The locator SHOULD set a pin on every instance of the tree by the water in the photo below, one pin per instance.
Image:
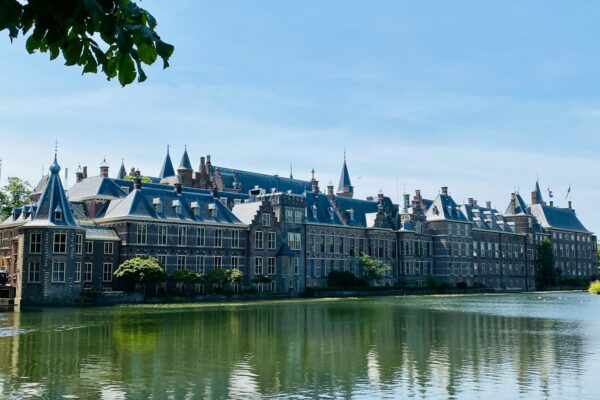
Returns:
(116, 36)
(546, 274)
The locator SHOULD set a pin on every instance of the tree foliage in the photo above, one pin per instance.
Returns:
(546, 274)
(235, 276)
(261, 279)
(15, 194)
(142, 269)
(373, 269)
(594, 287)
(217, 277)
(115, 36)
(186, 276)
(145, 179)
(344, 279)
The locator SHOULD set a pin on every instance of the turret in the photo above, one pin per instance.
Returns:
(345, 188)
(185, 170)
(167, 169)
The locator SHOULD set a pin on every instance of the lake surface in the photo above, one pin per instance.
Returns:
(522, 346)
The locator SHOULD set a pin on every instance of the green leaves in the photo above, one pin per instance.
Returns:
(70, 27)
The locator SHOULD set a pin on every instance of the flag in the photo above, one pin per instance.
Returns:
(568, 193)
(550, 193)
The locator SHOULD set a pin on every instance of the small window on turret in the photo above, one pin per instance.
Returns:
(57, 215)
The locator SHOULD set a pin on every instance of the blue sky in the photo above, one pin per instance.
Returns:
(478, 96)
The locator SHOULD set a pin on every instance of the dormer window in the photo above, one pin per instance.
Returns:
(177, 206)
(157, 203)
(195, 208)
(314, 211)
(58, 214)
(212, 210)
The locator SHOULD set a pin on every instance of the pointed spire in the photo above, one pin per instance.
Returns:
(185, 161)
(538, 192)
(345, 187)
(291, 171)
(53, 208)
(122, 171)
(167, 168)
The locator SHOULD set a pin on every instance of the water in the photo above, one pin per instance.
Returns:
(522, 346)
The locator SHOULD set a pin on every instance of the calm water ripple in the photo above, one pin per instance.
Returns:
(522, 346)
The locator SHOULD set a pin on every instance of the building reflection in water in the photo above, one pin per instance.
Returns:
(341, 349)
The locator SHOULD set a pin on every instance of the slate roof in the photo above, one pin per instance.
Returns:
(361, 209)
(345, 179)
(486, 218)
(444, 208)
(520, 207)
(319, 210)
(247, 181)
(53, 203)
(122, 172)
(19, 216)
(39, 188)
(96, 187)
(538, 192)
(175, 207)
(558, 218)
(185, 161)
(167, 168)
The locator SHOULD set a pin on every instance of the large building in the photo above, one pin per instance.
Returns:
(69, 241)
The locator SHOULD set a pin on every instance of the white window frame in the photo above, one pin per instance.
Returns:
(35, 246)
(107, 272)
(62, 245)
(88, 273)
(109, 248)
(59, 272)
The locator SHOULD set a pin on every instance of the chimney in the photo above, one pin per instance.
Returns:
(471, 201)
(84, 172)
(104, 171)
(445, 190)
(551, 203)
(137, 181)
(208, 163)
(79, 176)
(315, 186)
(177, 186)
(570, 205)
(330, 190)
(369, 198)
(488, 204)
(406, 200)
(534, 199)
(380, 197)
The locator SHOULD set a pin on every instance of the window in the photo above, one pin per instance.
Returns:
(35, 243)
(89, 247)
(108, 247)
(235, 238)
(60, 243)
(218, 262)
(218, 238)
(271, 241)
(77, 272)
(289, 216)
(162, 260)
(142, 234)
(201, 237)
(180, 262)
(271, 266)
(200, 264)
(107, 272)
(87, 277)
(296, 265)
(34, 272)
(266, 219)
(258, 265)
(181, 236)
(58, 272)
(79, 244)
(162, 235)
(294, 241)
(298, 217)
(258, 240)
(235, 262)
(58, 214)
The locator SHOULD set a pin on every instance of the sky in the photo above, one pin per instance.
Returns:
(482, 97)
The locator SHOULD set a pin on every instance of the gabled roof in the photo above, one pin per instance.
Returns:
(167, 168)
(53, 208)
(246, 212)
(96, 187)
(558, 218)
(444, 208)
(518, 208)
(185, 161)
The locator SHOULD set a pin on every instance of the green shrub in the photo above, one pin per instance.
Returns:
(186, 276)
(594, 287)
(344, 279)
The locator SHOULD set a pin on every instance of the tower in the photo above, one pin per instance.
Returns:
(185, 170)
(345, 188)
(167, 168)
